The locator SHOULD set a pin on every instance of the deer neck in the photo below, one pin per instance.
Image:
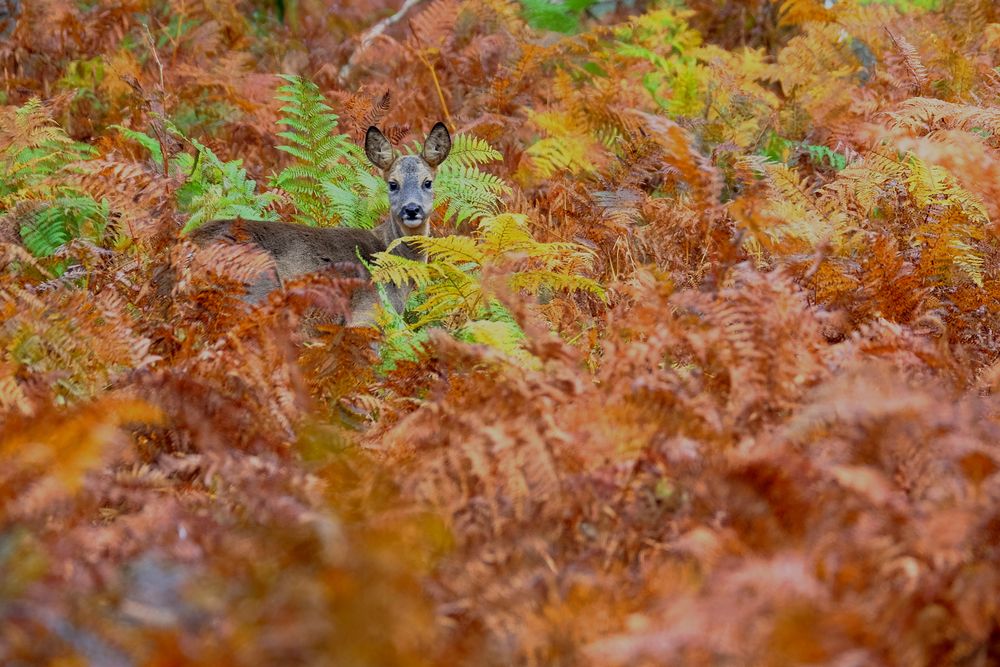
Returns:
(392, 229)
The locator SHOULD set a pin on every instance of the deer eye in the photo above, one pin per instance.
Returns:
(393, 186)
(428, 184)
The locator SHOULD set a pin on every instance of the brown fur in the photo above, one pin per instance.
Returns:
(298, 250)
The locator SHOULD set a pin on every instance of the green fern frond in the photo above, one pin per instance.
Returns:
(463, 191)
(215, 190)
(453, 293)
(34, 154)
(70, 215)
(468, 151)
(562, 16)
(400, 342)
(144, 140)
(330, 183)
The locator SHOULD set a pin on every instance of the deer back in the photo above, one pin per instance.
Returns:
(298, 250)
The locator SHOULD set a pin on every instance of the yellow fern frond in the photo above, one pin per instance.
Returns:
(858, 182)
(814, 65)
(452, 294)
(499, 335)
(503, 336)
(391, 268)
(455, 249)
(947, 245)
(535, 281)
(503, 233)
(555, 154)
(932, 184)
(789, 185)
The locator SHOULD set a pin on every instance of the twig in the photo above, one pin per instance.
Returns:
(156, 105)
(369, 35)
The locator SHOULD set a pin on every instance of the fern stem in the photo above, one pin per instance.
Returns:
(437, 84)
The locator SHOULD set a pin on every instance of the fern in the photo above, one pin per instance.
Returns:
(144, 140)
(536, 282)
(951, 238)
(449, 289)
(568, 148)
(212, 189)
(400, 270)
(469, 151)
(502, 334)
(923, 113)
(463, 192)
(330, 182)
(468, 194)
(36, 158)
(664, 39)
(215, 189)
(804, 221)
(458, 250)
(779, 149)
(399, 341)
(69, 215)
(556, 16)
(33, 149)
(825, 155)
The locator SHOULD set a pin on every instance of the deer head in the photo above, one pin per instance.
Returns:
(410, 177)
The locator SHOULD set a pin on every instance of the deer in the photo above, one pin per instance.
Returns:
(298, 250)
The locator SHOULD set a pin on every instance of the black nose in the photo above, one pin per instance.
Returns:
(412, 211)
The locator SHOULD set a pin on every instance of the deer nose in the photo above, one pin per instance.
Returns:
(412, 211)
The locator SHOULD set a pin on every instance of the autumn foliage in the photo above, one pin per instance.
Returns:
(702, 369)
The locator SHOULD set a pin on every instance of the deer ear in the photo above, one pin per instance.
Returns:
(437, 145)
(377, 148)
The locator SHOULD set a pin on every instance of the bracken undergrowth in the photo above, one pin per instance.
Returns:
(701, 371)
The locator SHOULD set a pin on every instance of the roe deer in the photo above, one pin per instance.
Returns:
(298, 249)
